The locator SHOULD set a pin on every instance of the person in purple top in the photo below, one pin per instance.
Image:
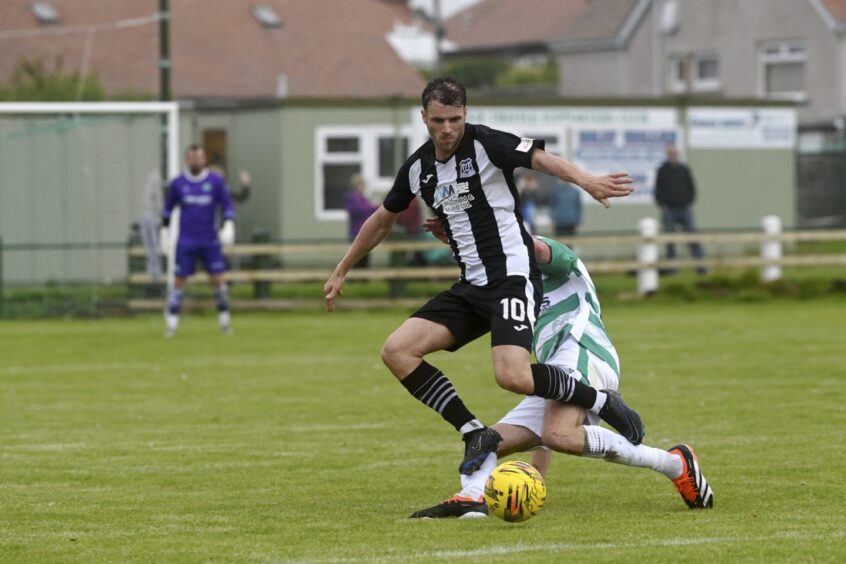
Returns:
(198, 193)
(359, 208)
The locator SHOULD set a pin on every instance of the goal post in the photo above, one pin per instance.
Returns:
(71, 181)
(170, 109)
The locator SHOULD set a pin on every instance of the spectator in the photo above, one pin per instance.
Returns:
(527, 187)
(411, 222)
(151, 205)
(675, 193)
(359, 208)
(565, 208)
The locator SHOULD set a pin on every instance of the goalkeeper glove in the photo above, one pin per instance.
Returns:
(226, 235)
(164, 240)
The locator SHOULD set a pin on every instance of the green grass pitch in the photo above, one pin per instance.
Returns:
(289, 441)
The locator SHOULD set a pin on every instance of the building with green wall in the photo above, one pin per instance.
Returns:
(301, 152)
(79, 180)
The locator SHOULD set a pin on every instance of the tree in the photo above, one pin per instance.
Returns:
(32, 81)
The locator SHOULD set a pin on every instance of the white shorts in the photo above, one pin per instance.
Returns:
(529, 412)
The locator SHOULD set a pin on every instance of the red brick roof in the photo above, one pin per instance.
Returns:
(506, 23)
(334, 48)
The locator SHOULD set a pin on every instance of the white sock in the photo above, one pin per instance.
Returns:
(608, 445)
(171, 321)
(472, 425)
(223, 319)
(600, 402)
(474, 485)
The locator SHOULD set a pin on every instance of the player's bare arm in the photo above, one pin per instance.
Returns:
(373, 232)
(600, 187)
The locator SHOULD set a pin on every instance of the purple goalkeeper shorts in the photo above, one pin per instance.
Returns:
(187, 253)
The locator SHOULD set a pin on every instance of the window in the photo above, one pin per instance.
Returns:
(336, 182)
(266, 16)
(391, 155)
(704, 73)
(670, 21)
(782, 70)
(45, 13)
(342, 144)
(375, 152)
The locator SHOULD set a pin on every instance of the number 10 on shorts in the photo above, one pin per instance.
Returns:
(513, 309)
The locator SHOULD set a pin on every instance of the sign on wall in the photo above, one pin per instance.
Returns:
(741, 128)
(638, 151)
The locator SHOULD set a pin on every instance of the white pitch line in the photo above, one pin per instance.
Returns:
(555, 547)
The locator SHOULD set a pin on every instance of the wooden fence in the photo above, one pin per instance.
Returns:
(644, 262)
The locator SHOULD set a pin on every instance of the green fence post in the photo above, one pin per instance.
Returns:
(261, 290)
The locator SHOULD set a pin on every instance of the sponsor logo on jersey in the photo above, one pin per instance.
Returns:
(427, 179)
(447, 191)
(521, 327)
(453, 197)
(525, 145)
(198, 199)
(465, 168)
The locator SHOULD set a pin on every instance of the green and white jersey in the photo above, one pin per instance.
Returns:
(570, 307)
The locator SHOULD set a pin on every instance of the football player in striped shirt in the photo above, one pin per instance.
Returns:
(571, 335)
(465, 174)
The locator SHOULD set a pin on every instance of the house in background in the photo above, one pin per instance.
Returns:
(727, 49)
(504, 46)
(778, 49)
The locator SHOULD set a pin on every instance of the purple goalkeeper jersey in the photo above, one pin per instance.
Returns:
(198, 198)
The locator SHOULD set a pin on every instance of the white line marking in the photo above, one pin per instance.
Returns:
(555, 547)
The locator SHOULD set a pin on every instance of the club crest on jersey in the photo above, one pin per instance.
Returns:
(207, 187)
(465, 168)
(452, 197)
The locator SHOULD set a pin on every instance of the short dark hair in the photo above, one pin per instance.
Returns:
(446, 90)
(194, 147)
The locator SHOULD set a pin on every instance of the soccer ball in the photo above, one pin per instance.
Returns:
(515, 491)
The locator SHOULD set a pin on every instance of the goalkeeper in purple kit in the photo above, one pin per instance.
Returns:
(198, 193)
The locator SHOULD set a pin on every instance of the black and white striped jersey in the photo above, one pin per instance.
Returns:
(474, 195)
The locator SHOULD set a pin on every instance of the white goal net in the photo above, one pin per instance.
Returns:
(74, 187)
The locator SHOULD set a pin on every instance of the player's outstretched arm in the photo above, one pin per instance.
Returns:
(373, 232)
(600, 187)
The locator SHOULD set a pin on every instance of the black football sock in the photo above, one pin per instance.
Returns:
(552, 382)
(430, 386)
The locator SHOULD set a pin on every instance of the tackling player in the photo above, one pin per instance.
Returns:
(199, 193)
(570, 334)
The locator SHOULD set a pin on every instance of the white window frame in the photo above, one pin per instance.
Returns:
(786, 54)
(697, 83)
(367, 157)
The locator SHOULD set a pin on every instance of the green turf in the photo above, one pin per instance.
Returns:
(290, 441)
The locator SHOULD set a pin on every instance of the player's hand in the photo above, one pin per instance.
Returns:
(245, 178)
(614, 185)
(226, 235)
(164, 240)
(434, 226)
(333, 287)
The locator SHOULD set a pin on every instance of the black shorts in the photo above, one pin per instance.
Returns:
(508, 309)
